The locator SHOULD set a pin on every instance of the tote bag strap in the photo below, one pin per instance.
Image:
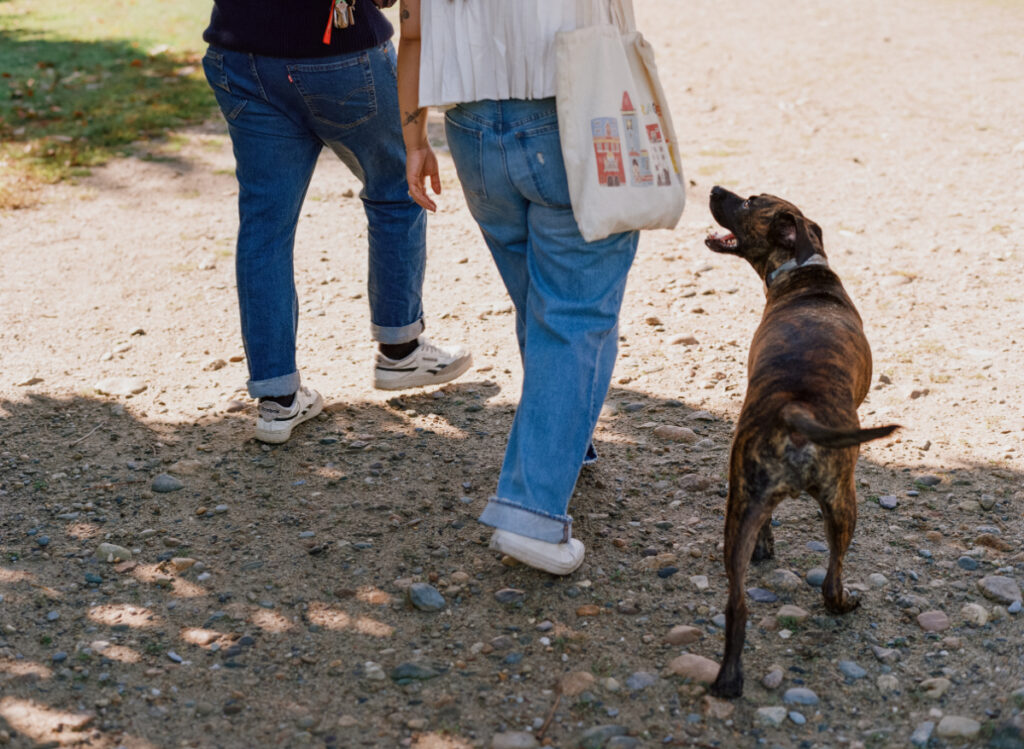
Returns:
(622, 14)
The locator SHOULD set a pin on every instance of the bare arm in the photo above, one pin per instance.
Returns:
(421, 163)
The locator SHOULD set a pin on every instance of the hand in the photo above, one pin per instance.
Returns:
(420, 164)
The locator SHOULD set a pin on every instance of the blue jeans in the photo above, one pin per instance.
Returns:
(280, 114)
(567, 294)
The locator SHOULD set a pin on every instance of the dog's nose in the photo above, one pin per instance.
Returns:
(717, 191)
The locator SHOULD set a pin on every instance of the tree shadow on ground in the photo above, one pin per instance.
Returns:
(273, 572)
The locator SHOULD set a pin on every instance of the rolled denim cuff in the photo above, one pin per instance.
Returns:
(508, 516)
(403, 334)
(275, 386)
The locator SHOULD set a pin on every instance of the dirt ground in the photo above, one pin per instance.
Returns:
(266, 601)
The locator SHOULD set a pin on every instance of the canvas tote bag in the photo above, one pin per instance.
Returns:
(618, 142)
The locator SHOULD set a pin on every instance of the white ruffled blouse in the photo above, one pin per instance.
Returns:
(495, 49)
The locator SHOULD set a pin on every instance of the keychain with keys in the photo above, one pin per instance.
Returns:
(343, 15)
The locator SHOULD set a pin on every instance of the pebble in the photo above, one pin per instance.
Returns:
(166, 483)
(514, 740)
(509, 595)
(794, 614)
(576, 682)
(928, 480)
(53, 616)
(967, 563)
(885, 655)
(1000, 589)
(933, 621)
(599, 736)
(800, 696)
(676, 434)
(817, 546)
(887, 683)
(922, 734)
(784, 580)
(797, 718)
(666, 572)
(700, 582)
(694, 667)
(815, 576)
(877, 580)
(770, 716)
(718, 620)
(120, 386)
(761, 595)
(974, 614)
(683, 635)
(406, 673)
(1014, 608)
(640, 681)
(174, 656)
(987, 501)
(373, 671)
(935, 688)
(772, 679)
(43, 541)
(958, 727)
(712, 707)
(60, 656)
(888, 502)
(852, 670)
(426, 597)
(112, 553)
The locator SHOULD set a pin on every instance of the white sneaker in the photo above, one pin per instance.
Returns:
(558, 559)
(274, 422)
(427, 365)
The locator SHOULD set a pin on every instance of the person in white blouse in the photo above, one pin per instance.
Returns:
(492, 63)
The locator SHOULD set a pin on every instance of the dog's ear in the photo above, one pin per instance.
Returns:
(796, 233)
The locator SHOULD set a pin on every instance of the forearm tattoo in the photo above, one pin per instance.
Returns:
(412, 118)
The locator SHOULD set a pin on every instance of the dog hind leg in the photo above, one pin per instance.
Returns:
(840, 512)
(741, 534)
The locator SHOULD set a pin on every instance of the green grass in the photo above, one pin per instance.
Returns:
(81, 81)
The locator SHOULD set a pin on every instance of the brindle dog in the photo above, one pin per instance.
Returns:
(809, 369)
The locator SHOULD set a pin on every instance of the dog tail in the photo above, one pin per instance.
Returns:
(799, 418)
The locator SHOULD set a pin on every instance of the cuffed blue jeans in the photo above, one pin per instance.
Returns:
(280, 114)
(567, 294)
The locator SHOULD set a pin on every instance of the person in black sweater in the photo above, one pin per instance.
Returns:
(289, 82)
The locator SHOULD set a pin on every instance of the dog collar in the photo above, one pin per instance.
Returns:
(815, 259)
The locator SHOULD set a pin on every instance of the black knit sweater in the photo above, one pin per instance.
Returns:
(292, 28)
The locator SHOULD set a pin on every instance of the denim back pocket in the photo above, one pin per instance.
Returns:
(338, 93)
(466, 143)
(217, 77)
(541, 148)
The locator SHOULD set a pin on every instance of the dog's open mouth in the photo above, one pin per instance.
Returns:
(722, 242)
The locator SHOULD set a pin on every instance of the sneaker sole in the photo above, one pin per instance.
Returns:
(447, 374)
(532, 557)
(277, 438)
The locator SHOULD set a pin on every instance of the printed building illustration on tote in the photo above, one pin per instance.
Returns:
(608, 150)
(659, 155)
(638, 160)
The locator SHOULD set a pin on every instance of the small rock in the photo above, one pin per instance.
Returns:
(683, 635)
(425, 597)
(887, 683)
(166, 483)
(928, 480)
(935, 688)
(790, 615)
(761, 595)
(121, 386)
(958, 727)
(815, 576)
(112, 553)
(784, 580)
(773, 679)
(214, 364)
(987, 501)
(770, 716)
(800, 696)
(700, 582)
(933, 621)
(640, 681)
(694, 667)
(1000, 589)
(877, 580)
(967, 563)
(575, 683)
(885, 655)
(974, 614)
(509, 595)
(514, 740)
(922, 734)
(715, 708)
(888, 502)
(797, 718)
(406, 673)
(851, 670)
(588, 609)
(598, 736)
(676, 434)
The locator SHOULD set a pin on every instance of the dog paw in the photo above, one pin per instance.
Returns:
(727, 689)
(845, 606)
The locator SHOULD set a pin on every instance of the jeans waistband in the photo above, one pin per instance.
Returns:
(507, 112)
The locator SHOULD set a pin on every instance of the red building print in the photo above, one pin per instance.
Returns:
(608, 150)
